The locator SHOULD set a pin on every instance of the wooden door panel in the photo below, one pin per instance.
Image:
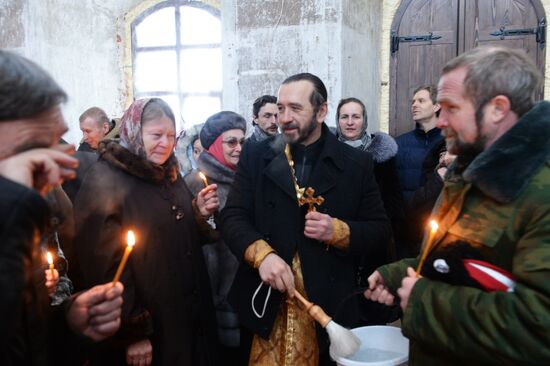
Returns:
(420, 63)
(483, 17)
(462, 26)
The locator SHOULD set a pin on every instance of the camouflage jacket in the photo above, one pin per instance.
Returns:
(500, 204)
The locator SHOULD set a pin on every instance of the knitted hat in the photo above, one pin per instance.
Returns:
(218, 123)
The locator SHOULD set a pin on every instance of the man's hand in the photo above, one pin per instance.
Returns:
(207, 200)
(139, 353)
(51, 280)
(40, 168)
(318, 226)
(407, 285)
(377, 291)
(274, 271)
(95, 313)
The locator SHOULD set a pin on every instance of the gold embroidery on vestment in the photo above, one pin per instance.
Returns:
(293, 340)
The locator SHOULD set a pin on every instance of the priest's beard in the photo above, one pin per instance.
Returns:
(303, 132)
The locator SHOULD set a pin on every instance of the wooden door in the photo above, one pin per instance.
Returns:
(511, 23)
(428, 33)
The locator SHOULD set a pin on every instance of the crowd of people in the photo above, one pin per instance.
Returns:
(230, 228)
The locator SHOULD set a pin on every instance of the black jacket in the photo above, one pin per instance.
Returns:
(262, 205)
(166, 283)
(30, 331)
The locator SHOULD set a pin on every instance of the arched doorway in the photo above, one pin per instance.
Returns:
(428, 33)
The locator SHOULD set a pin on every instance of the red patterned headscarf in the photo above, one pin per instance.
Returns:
(130, 128)
(130, 133)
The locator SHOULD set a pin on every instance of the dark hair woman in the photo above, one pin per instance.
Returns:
(167, 315)
(351, 128)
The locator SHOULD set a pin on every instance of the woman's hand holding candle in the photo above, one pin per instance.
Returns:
(207, 200)
(51, 274)
(131, 239)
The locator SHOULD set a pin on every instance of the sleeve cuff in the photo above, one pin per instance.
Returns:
(256, 252)
(341, 235)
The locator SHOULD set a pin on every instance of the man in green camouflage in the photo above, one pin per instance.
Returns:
(496, 198)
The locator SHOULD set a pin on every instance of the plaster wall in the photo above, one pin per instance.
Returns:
(77, 43)
(361, 56)
(269, 40)
(83, 45)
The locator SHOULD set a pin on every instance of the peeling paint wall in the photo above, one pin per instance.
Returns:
(77, 43)
(12, 31)
(361, 56)
(274, 39)
(345, 42)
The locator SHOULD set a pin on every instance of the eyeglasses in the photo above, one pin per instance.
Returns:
(232, 143)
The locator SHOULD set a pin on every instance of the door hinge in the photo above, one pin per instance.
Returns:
(539, 31)
(395, 39)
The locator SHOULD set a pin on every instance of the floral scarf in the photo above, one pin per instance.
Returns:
(130, 133)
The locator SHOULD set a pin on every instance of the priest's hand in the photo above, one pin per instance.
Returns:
(139, 353)
(407, 285)
(318, 226)
(377, 291)
(207, 200)
(95, 313)
(277, 273)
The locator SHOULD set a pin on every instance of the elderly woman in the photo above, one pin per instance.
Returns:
(351, 128)
(167, 315)
(222, 137)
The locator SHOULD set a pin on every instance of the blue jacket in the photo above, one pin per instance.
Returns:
(413, 147)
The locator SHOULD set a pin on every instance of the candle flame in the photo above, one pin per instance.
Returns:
(203, 177)
(434, 225)
(49, 258)
(131, 239)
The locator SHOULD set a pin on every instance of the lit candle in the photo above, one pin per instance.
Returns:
(131, 241)
(203, 177)
(50, 262)
(427, 247)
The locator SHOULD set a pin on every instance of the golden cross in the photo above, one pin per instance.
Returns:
(310, 200)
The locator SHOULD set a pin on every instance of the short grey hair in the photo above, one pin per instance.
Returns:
(95, 113)
(493, 71)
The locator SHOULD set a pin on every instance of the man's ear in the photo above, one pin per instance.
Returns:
(437, 107)
(322, 113)
(105, 128)
(501, 107)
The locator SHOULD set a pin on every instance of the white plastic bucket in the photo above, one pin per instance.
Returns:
(380, 346)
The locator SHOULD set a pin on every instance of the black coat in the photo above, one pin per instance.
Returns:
(31, 332)
(166, 283)
(262, 205)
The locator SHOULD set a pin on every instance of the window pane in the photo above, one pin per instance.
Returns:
(157, 29)
(199, 26)
(155, 71)
(197, 109)
(201, 70)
